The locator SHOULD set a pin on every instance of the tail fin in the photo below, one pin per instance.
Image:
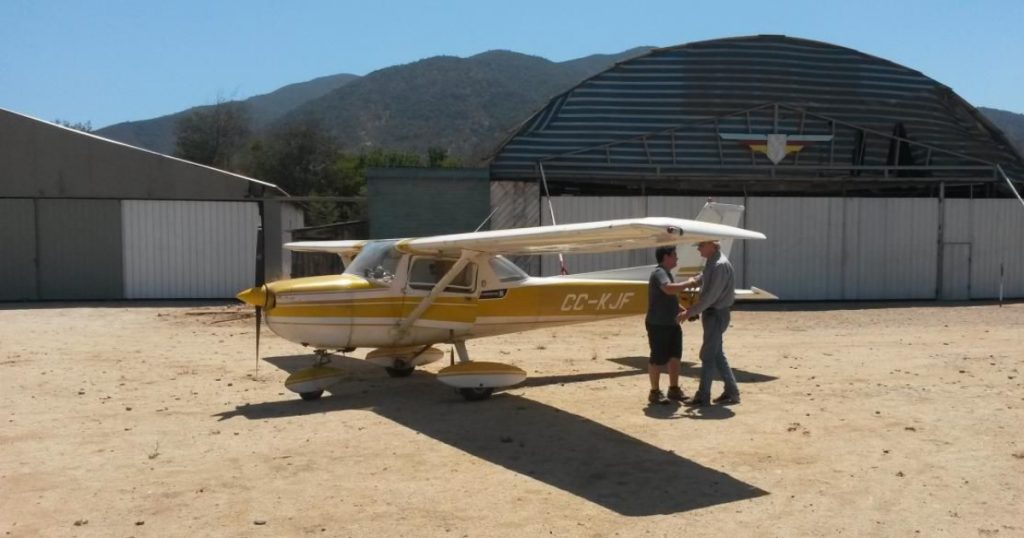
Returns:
(690, 262)
(728, 214)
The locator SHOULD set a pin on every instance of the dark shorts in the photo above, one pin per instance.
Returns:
(666, 342)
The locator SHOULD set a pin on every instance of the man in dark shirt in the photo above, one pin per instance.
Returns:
(717, 295)
(664, 335)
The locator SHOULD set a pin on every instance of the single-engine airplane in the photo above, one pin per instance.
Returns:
(404, 296)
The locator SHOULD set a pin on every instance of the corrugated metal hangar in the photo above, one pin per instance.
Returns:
(871, 180)
(83, 217)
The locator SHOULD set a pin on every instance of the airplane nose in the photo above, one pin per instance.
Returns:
(256, 296)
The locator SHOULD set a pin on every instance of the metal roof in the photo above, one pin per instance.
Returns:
(661, 117)
(45, 159)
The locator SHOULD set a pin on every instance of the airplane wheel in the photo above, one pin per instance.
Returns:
(475, 395)
(399, 372)
(312, 395)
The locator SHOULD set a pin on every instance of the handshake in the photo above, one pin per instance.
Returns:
(685, 314)
(686, 301)
(687, 298)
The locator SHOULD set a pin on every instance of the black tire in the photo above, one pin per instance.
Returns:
(313, 395)
(476, 395)
(399, 372)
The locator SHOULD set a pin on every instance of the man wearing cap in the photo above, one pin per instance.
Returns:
(664, 335)
(717, 294)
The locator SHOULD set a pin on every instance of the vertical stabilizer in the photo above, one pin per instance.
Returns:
(690, 261)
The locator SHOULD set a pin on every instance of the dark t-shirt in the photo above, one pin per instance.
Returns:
(661, 307)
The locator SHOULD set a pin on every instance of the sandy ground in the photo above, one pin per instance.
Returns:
(857, 420)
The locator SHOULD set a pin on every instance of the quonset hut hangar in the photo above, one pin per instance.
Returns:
(83, 217)
(871, 180)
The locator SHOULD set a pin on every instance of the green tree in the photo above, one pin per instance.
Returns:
(304, 159)
(213, 135)
(298, 157)
(85, 127)
(440, 158)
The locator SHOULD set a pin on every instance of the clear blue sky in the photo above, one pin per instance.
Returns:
(111, 61)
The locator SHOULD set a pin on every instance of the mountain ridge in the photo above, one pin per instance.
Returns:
(157, 134)
(466, 106)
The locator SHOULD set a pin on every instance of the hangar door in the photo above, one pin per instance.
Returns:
(79, 249)
(188, 250)
(18, 245)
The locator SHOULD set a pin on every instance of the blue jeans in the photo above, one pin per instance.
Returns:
(712, 358)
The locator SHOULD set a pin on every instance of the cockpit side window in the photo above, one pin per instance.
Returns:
(426, 272)
(377, 262)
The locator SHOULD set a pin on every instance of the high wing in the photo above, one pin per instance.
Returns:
(588, 237)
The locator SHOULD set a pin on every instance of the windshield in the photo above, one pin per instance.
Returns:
(507, 271)
(376, 262)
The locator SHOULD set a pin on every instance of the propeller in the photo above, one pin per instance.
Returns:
(259, 295)
(260, 283)
(259, 324)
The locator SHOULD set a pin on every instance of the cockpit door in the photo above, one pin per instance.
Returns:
(453, 312)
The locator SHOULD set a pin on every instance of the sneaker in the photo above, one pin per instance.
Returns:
(698, 401)
(676, 394)
(727, 399)
(656, 397)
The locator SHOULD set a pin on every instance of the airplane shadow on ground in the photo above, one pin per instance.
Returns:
(564, 450)
(692, 370)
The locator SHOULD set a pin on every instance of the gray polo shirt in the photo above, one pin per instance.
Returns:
(661, 307)
(717, 285)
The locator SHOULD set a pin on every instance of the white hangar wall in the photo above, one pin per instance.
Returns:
(984, 239)
(178, 250)
(844, 248)
(75, 249)
(838, 248)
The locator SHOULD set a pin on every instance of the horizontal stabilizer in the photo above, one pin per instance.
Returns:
(755, 294)
(643, 274)
(640, 273)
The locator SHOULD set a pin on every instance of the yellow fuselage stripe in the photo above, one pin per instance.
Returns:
(569, 299)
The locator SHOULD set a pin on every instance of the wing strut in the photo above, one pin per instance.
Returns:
(562, 269)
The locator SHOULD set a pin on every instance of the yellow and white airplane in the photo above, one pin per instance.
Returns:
(404, 296)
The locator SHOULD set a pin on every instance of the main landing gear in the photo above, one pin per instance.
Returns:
(473, 380)
(312, 395)
(476, 381)
(310, 383)
(476, 394)
(399, 368)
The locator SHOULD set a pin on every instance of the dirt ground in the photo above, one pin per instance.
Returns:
(857, 420)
